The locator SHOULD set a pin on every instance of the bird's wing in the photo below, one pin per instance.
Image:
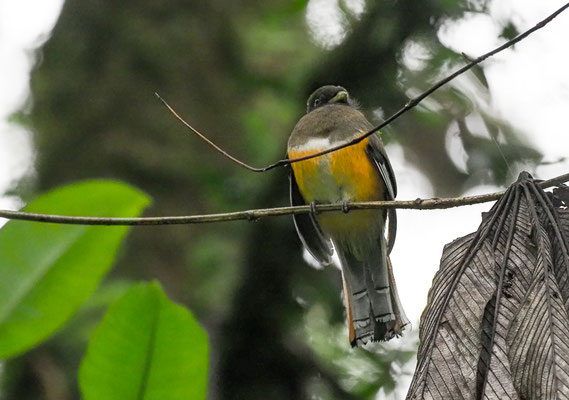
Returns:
(377, 155)
(308, 229)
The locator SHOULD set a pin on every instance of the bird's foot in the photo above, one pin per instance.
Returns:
(313, 209)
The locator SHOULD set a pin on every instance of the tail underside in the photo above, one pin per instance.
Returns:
(372, 302)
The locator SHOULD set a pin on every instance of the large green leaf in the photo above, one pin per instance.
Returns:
(48, 270)
(146, 347)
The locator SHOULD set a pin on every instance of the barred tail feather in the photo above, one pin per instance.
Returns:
(373, 306)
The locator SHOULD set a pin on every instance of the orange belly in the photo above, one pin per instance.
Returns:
(346, 174)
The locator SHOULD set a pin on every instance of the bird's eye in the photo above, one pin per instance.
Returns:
(316, 102)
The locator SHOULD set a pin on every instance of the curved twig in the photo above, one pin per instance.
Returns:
(408, 106)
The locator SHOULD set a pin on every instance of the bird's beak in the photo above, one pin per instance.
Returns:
(341, 96)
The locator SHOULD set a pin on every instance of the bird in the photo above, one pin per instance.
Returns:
(361, 172)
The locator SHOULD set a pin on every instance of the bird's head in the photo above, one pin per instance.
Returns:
(326, 95)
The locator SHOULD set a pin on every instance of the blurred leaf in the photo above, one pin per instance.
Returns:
(284, 11)
(107, 293)
(47, 270)
(363, 371)
(146, 347)
(509, 32)
(297, 5)
(79, 328)
(479, 72)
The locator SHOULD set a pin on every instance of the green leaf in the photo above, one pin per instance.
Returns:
(509, 31)
(48, 270)
(146, 347)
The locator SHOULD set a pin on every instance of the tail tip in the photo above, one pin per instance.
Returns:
(382, 331)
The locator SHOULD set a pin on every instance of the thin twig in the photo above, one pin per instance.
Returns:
(410, 104)
(203, 137)
(253, 215)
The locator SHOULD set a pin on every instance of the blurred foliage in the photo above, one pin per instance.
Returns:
(241, 71)
(146, 347)
(48, 270)
(362, 371)
(509, 31)
(144, 341)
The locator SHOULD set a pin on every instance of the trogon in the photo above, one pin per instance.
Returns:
(361, 172)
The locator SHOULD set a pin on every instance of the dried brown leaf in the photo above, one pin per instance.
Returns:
(496, 325)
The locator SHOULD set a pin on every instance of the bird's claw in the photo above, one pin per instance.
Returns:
(313, 209)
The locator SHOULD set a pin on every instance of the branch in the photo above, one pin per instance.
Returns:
(253, 215)
(408, 106)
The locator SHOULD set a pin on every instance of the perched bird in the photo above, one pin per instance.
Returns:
(361, 172)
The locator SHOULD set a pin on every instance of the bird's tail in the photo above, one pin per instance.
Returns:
(372, 302)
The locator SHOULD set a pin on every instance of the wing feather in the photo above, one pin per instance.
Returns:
(310, 233)
(377, 155)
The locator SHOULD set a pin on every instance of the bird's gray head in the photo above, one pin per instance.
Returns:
(328, 94)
